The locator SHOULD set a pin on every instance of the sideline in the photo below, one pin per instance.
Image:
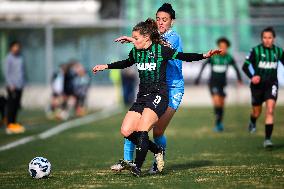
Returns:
(105, 113)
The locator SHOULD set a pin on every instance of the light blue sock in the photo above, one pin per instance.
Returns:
(128, 150)
(161, 141)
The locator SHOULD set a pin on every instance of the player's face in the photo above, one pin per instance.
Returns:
(267, 39)
(140, 40)
(15, 49)
(224, 47)
(164, 21)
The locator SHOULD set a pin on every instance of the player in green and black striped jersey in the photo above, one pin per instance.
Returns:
(151, 59)
(264, 59)
(218, 80)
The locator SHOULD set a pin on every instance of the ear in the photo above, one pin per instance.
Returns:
(172, 23)
(147, 37)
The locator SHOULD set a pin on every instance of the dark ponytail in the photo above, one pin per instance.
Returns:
(149, 27)
(167, 7)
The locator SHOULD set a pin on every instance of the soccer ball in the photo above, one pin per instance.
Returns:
(39, 167)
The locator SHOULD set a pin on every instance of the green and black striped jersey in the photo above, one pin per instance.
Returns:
(219, 67)
(264, 62)
(152, 64)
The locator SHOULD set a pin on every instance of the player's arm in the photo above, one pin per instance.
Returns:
(125, 39)
(170, 54)
(251, 60)
(233, 63)
(115, 65)
(8, 74)
(196, 82)
(189, 57)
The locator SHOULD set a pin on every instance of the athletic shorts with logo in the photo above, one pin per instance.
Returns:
(175, 96)
(263, 91)
(155, 101)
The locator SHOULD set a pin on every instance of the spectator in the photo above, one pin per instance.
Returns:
(14, 76)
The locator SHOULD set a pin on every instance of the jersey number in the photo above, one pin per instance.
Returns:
(157, 100)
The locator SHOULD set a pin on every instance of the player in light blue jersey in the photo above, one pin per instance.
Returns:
(165, 17)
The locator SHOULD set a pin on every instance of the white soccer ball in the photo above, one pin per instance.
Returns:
(39, 167)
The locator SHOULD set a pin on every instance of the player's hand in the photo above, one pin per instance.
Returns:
(125, 39)
(255, 79)
(212, 52)
(99, 68)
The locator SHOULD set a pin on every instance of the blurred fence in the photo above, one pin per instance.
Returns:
(200, 23)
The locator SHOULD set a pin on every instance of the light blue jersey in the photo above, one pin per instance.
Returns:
(174, 67)
(175, 80)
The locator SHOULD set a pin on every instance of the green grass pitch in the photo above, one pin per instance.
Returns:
(196, 156)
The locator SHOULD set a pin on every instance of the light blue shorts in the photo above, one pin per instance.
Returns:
(175, 97)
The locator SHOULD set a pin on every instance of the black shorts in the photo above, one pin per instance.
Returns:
(217, 90)
(263, 92)
(155, 101)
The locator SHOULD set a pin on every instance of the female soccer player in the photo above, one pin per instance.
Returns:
(165, 17)
(264, 59)
(217, 82)
(152, 99)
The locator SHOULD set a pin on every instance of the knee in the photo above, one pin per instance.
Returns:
(269, 111)
(125, 132)
(256, 113)
(157, 132)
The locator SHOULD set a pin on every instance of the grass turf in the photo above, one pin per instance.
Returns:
(196, 156)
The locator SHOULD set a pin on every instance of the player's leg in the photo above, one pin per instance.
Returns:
(257, 96)
(218, 103)
(129, 124)
(218, 99)
(158, 134)
(148, 119)
(255, 113)
(175, 97)
(271, 94)
(269, 121)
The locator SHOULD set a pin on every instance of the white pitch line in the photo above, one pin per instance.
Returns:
(63, 127)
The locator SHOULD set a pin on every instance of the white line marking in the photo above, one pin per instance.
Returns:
(105, 113)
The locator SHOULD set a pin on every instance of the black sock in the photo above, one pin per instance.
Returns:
(133, 137)
(218, 114)
(268, 131)
(153, 147)
(252, 119)
(141, 148)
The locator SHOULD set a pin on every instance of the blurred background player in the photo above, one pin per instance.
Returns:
(81, 86)
(57, 85)
(264, 59)
(70, 86)
(165, 17)
(129, 83)
(218, 80)
(14, 76)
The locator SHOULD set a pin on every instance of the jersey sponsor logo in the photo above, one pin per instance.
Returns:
(146, 66)
(267, 65)
(219, 68)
